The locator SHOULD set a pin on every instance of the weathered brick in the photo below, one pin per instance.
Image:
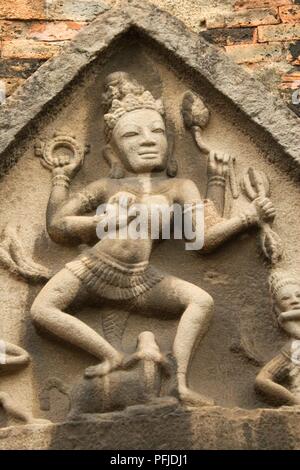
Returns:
(253, 17)
(252, 53)
(55, 31)
(290, 14)
(41, 30)
(12, 29)
(269, 72)
(250, 4)
(29, 49)
(226, 37)
(19, 68)
(22, 9)
(281, 32)
(291, 81)
(10, 84)
(75, 10)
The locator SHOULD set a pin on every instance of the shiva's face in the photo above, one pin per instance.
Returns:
(140, 140)
(288, 298)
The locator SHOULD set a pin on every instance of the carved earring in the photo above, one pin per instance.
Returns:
(172, 166)
(116, 169)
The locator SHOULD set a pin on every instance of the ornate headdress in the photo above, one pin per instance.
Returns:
(123, 94)
(278, 279)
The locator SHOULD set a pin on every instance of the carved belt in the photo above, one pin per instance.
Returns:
(111, 279)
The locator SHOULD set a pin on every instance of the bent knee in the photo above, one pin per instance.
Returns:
(260, 383)
(203, 300)
(38, 310)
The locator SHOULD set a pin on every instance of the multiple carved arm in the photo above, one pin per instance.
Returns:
(15, 357)
(267, 382)
(215, 235)
(217, 172)
(66, 222)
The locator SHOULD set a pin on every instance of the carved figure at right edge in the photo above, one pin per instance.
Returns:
(279, 379)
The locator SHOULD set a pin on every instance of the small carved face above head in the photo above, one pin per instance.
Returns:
(288, 298)
(140, 140)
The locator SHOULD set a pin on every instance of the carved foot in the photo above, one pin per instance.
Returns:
(103, 368)
(188, 397)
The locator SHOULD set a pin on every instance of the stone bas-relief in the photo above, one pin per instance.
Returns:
(143, 170)
(126, 334)
(119, 269)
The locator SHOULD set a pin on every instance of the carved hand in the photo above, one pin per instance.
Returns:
(53, 156)
(123, 198)
(64, 166)
(263, 209)
(290, 315)
(218, 165)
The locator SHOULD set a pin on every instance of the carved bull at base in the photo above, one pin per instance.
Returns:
(138, 382)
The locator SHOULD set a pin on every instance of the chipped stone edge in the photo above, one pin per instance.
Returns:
(261, 429)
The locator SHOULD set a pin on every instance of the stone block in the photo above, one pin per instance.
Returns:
(281, 32)
(29, 49)
(251, 53)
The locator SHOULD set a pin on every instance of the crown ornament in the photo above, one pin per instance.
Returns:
(279, 279)
(123, 95)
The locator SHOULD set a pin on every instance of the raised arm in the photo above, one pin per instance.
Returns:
(289, 322)
(14, 355)
(217, 171)
(289, 315)
(266, 382)
(219, 230)
(66, 219)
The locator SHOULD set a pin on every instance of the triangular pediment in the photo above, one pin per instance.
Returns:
(187, 49)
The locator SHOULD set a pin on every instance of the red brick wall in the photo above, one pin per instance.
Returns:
(31, 31)
(262, 35)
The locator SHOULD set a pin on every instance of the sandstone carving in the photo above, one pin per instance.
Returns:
(134, 334)
(279, 379)
(12, 358)
(196, 117)
(119, 270)
(139, 382)
(256, 185)
(13, 257)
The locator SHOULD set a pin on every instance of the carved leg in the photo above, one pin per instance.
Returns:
(48, 311)
(11, 408)
(14, 410)
(171, 297)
